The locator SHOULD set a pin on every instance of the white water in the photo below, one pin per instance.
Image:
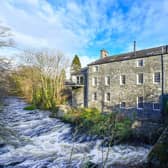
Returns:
(31, 139)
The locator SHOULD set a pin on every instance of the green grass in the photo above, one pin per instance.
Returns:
(30, 107)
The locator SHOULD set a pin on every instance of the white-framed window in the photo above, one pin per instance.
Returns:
(122, 104)
(94, 96)
(156, 106)
(94, 81)
(122, 79)
(140, 63)
(140, 78)
(140, 102)
(78, 80)
(107, 80)
(81, 80)
(96, 68)
(156, 77)
(107, 96)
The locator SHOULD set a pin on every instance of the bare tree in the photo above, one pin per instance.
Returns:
(5, 41)
(4, 76)
(47, 77)
(5, 36)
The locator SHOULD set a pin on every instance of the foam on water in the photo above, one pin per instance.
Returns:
(35, 140)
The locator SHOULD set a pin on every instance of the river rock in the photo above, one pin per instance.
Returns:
(62, 109)
(158, 157)
(90, 164)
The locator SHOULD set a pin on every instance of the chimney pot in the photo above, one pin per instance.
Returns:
(103, 53)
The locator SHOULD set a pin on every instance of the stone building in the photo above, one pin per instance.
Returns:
(134, 83)
(78, 88)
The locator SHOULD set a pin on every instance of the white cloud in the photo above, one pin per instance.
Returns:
(30, 41)
(75, 27)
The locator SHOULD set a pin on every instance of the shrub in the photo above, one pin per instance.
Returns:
(30, 107)
(92, 122)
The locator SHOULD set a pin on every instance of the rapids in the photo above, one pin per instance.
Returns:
(31, 139)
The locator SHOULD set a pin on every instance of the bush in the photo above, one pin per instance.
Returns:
(92, 122)
(30, 107)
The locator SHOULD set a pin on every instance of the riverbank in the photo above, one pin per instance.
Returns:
(114, 128)
(39, 140)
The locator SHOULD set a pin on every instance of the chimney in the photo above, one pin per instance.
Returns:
(162, 49)
(134, 48)
(103, 53)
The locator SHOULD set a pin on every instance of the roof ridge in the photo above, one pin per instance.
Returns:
(130, 55)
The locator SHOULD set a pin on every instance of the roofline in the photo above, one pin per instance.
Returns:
(130, 58)
(122, 60)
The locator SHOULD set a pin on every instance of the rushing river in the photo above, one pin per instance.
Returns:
(31, 139)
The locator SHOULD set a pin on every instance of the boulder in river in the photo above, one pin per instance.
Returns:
(158, 157)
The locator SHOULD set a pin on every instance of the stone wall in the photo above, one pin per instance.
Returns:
(78, 96)
(128, 93)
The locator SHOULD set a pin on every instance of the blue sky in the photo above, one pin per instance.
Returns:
(84, 27)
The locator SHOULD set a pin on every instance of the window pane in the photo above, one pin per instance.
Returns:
(107, 97)
(95, 69)
(140, 63)
(156, 106)
(94, 96)
(107, 80)
(81, 80)
(94, 81)
(78, 80)
(140, 102)
(123, 79)
(140, 78)
(122, 104)
(157, 77)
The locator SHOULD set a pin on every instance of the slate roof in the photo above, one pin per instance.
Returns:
(131, 55)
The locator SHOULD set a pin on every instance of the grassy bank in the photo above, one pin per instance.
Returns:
(114, 127)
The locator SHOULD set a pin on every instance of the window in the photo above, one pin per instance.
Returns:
(107, 80)
(94, 96)
(140, 63)
(156, 106)
(140, 79)
(156, 77)
(122, 80)
(140, 104)
(122, 105)
(94, 81)
(78, 80)
(107, 97)
(95, 68)
(81, 80)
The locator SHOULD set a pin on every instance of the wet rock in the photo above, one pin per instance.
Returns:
(61, 110)
(158, 157)
(90, 165)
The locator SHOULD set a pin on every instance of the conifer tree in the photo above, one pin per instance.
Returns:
(76, 64)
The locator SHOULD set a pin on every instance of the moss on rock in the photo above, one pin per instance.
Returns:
(158, 157)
